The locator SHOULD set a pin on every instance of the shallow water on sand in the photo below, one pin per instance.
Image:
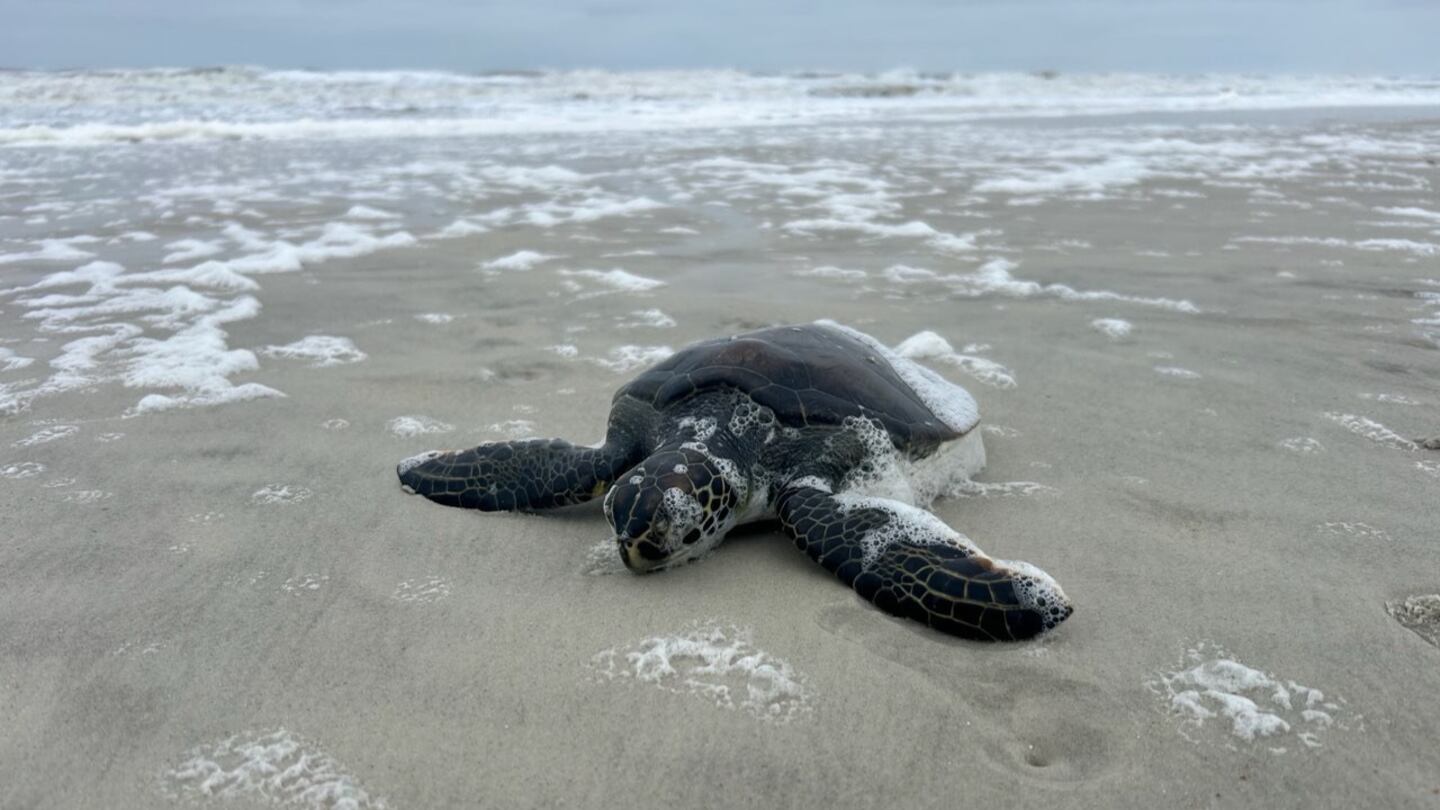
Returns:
(1203, 348)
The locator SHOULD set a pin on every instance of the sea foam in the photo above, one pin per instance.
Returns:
(276, 767)
(714, 661)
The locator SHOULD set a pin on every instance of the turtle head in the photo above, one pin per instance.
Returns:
(671, 508)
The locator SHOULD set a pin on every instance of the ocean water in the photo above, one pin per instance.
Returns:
(144, 209)
(1199, 316)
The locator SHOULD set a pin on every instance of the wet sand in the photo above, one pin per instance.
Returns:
(1245, 511)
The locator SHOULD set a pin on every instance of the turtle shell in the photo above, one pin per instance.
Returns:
(815, 375)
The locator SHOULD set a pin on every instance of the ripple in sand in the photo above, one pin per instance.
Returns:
(1420, 613)
(276, 767)
(422, 591)
(415, 425)
(1304, 445)
(1222, 701)
(716, 662)
(280, 494)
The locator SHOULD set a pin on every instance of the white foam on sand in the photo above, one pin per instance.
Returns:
(21, 469)
(1304, 445)
(436, 318)
(1112, 327)
(10, 361)
(323, 350)
(46, 435)
(276, 767)
(1372, 430)
(930, 346)
(280, 494)
(421, 591)
(1177, 372)
(714, 661)
(520, 260)
(367, 212)
(830, 271)
(614, 280)
(184, 250)
(1220, 700)
(416, 425)
(652, 318)
(994, 277)
(1353, 529)
(1408, 246)
(629, 358)
(1390, 399)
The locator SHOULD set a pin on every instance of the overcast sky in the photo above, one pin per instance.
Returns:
(1386, 36)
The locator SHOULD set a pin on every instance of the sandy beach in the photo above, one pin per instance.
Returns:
(1203, 345)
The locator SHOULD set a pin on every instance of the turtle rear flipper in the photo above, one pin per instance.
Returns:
(514, 476)
(908, 563)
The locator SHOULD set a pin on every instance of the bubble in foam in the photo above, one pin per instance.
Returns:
(408, 464)
(906, 523)
(416, 425)
(1113, 328)
(276, 767)
(714, 661)
(1304, 445)
(322, 350)
(684, 510)
(1353, 528)
(23, 469)
(422, 591)
(46, 435)
(1219, 700)
(1372, 430)
(280, 494)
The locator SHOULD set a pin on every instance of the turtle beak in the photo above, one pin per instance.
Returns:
(639, 554)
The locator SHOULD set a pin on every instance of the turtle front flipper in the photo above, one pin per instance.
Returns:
(514, 476)
(910, 564)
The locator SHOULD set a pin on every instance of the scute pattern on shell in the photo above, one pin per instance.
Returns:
(808, 375)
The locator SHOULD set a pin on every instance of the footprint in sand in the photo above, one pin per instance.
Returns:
(1027, 721)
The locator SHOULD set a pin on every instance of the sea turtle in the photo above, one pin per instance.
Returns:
(819, 425)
